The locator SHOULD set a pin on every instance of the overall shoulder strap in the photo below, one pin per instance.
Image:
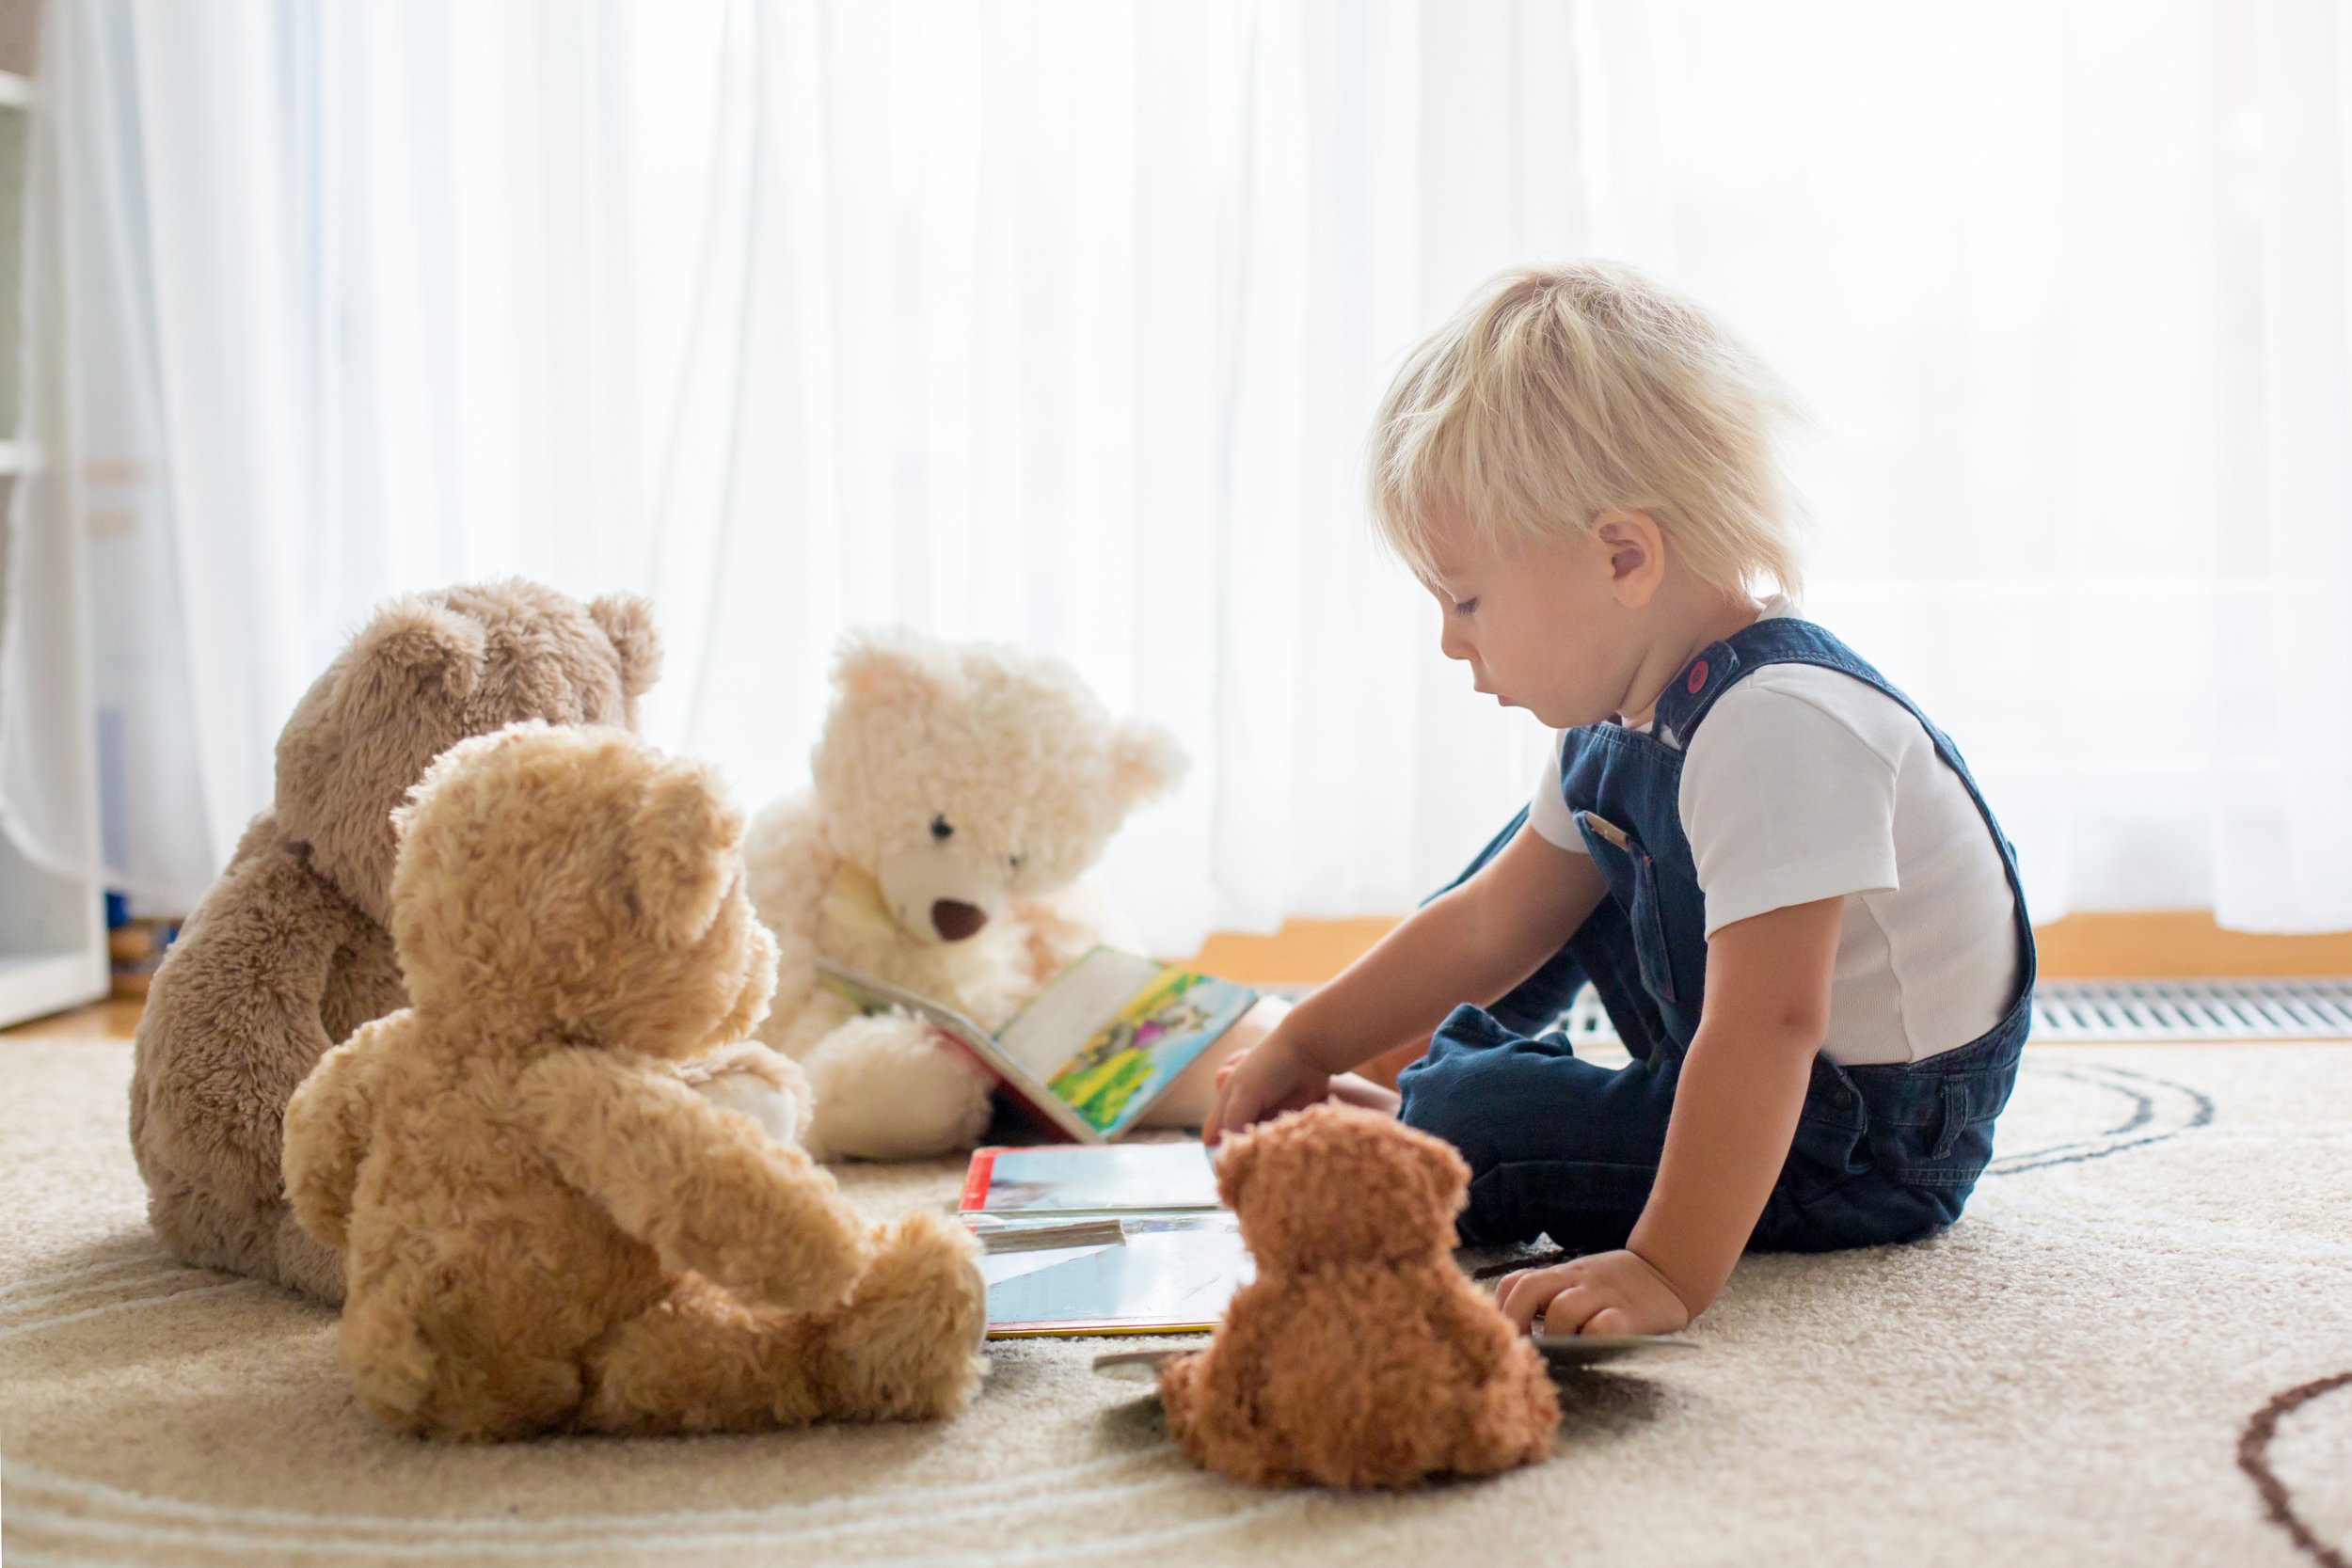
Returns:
(1782, 640)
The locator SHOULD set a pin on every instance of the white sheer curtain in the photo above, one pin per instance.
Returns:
(1061, 322)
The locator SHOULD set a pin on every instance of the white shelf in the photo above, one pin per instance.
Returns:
(34, 984)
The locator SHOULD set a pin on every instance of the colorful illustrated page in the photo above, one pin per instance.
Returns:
(1154, 1036)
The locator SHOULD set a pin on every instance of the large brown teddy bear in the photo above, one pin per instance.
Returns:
(288, 953)
(545, 1229)
(1359, 1355)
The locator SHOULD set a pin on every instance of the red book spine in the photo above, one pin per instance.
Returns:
(976, 1180)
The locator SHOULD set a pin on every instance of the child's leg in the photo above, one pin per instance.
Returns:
(1350, 1088)
(1556, 1146)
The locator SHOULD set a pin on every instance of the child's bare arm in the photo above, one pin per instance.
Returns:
(1471, 943)
(1735, 1115)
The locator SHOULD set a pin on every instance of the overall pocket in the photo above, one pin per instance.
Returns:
(1643, 914)
(1832, 1144)
(1934, 1129)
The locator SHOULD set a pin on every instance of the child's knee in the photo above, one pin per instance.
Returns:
(1450, 1092)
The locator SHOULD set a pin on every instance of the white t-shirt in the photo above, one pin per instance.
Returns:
(1803, 782)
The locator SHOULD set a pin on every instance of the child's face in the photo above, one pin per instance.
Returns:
(1546, 627)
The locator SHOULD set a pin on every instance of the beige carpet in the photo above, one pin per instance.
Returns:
(2068, 1377)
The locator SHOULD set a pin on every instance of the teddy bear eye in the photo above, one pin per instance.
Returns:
(942, 829)
(1017, 860)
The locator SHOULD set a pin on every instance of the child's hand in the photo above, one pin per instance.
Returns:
(1610, 1292)
(1269, 1077)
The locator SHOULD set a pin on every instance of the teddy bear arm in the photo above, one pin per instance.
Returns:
(234, 1024)
(1214, 1397)
(326, 1129)
(704, 1188)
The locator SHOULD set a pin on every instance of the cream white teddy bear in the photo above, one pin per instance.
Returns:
(959, 793)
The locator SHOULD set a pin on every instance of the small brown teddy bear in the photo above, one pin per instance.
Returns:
(1359, 1355)
(545, 1228)
(288, 953)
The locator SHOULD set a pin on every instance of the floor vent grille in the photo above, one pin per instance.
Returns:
(2140, 1011)
(2080, 1011)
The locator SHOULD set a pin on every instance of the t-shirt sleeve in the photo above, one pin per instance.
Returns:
(1548, 813)
(1783, 803)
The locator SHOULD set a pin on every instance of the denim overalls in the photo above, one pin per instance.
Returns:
(1557, 1145)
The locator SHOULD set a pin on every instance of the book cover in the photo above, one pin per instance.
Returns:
(1066, 1182)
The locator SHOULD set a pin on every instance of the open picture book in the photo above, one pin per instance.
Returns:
(1094, 1048)
(1102, 1241)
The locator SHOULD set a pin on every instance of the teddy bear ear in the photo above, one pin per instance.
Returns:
(413, 645)
(1234, 1164)
(1146, 761)
(680, 842)
(626, 620)
(1445, 1175)
(883, 667)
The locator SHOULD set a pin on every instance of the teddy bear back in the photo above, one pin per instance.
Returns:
(1359, 1355)
(425, 672)
(1364, 1377)
(1336, 1185)
(570, 884)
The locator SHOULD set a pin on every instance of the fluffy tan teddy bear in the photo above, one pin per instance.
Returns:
(959, 792)
(1359, 1355)
(288, 953)
(545, 1229)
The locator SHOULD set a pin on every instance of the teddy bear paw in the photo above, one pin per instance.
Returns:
(889, 1088)
(782, 1112)
(906, 1346)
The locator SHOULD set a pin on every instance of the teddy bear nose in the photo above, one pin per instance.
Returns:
(956, 921)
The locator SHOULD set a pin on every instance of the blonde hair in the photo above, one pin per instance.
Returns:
(1560, 393)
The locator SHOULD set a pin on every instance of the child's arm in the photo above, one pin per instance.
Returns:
(1471, 943)
(1735, 1115)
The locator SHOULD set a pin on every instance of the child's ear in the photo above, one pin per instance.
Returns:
(1146, 761)
(680, 840)
(1636, 549)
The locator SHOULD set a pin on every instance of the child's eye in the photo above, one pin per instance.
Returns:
(1463, 607)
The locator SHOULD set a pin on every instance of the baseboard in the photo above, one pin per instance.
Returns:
(2149, 945)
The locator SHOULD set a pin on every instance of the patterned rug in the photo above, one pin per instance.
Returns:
(2137, 1348)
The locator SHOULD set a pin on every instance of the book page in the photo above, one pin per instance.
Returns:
(1059, 1021)
(1143, 1047)
(1168, 1275)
